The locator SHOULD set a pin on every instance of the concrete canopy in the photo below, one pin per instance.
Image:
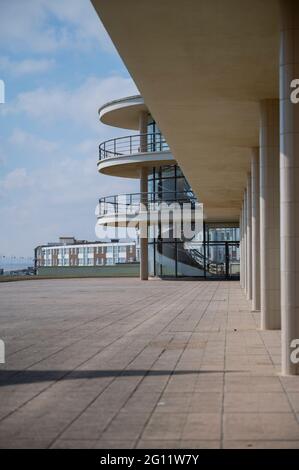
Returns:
(202, 67)
(124, 112)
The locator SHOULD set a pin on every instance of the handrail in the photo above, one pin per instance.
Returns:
(130, 203)
(132, 145)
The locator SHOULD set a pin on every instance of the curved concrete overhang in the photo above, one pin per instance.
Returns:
(119, 220)
(123, 113)
(128, 166)
(125, 220)
(134, 219)
(202, 71)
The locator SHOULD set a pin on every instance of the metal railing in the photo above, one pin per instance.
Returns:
(130, 203)
(132, 145)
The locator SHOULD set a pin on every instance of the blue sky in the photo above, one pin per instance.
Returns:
(59, 66)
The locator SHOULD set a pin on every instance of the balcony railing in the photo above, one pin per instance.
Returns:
(129, 204)
(132, 145)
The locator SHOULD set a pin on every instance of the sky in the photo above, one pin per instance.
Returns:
(59, 66)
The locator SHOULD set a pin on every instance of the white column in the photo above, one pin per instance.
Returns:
(244, 245)
(143, 240)
(255, 229)
(269, 215)
(248, 240)
(143, 130)
(289, 183)
(241, 247)
(245, 241)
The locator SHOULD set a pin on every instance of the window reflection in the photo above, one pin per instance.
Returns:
(217, 256)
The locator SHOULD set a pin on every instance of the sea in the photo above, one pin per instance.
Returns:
(15, 266)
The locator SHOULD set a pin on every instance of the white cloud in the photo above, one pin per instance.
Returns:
(23, 25)
(79, 106)
(38, 204)
(16, 179)
(42, 198)
(83, 17)
(26, 66)
(31, 143)
(48, 25)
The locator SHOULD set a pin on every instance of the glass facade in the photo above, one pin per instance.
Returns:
(155, 140)
(215, 255)
(167, 184)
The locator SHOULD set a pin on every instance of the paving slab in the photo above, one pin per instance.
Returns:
(120, 363)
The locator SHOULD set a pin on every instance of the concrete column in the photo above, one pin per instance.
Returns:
(245, 240)
(143, 130)
(289, 183)
(255, 229)
(244, 245)
(269, 215)
(248, 240)
(143, 240)
(241, 247)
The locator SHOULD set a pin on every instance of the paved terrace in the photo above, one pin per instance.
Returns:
(96, 363)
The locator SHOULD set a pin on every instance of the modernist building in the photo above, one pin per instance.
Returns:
(146, 156)
(71, 252)
(220, 81)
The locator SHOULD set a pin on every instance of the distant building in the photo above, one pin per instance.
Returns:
(71, 252)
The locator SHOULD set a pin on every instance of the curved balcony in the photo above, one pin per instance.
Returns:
(124, 156)
(124, 209)
(132, 145)
(123, 113)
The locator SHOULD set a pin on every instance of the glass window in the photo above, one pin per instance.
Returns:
(165, 259)
(168, 187)
(222, 233)
(151, 125)
(171, 256)
(182, 186)
(190, 260)
(150, 186)
(179, 172)
(216, 260)
(151, 259)
(151, 173)
(168, 171)
(158, 258)
(152, 232)
(168, 259)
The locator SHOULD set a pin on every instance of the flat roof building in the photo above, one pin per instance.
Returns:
(71, 252)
